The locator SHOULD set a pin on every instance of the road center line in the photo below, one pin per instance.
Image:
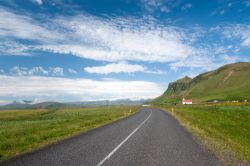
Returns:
(116, 148)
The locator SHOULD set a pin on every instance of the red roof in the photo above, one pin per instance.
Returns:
(189, 100)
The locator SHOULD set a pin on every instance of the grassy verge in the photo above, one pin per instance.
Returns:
(24, 130)
(224, 129)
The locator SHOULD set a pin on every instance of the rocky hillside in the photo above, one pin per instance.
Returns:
(229, 82)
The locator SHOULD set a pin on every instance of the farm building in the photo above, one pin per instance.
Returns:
(187, 101)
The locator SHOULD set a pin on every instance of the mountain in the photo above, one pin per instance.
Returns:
(111, 102)
(25, 105)
(48, 105)
(56, 105)
(229, 82)
(15, 105)
(178, 86)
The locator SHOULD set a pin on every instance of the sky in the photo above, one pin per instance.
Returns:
(82, 50)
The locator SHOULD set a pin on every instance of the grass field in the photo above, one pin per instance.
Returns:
(224, 129)
(227, 83)
(24, 130)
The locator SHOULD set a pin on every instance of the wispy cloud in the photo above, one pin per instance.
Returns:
(111, 39)
(24, 71)
(89, 37)
(14, 48)
(238, 31)
(121, 67)
(123, 40)
(39, 2)
(115, 68)
(72, 71)
(14, 25)
(29, 87)
(164, 6)
(222, 12)
(203, 62)
(186, 6)
(56, 71)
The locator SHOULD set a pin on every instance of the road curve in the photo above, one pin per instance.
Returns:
(150, 137)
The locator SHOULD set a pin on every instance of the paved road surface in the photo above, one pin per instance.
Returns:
(150, 137)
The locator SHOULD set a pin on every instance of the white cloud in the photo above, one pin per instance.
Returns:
(115, 68)
(186, 6)
(90, 37)
(151, 5)
(155, 71)
(205, 64)
(56, 71)
(109, 39)
(214, 12)
(194, 62)
(165, 9)
(24, 71)
(122, 67)
(39, 2)
(161, 5)
(122, 40)
(72, 71)
(227, 59)
(24, 27)
(13, 48)
(38, 70)
(75, 89)
(237, 31)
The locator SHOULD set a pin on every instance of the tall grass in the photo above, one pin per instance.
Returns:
(24, 130)
(225, 129)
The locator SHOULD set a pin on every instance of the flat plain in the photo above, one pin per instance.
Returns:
(25, 130)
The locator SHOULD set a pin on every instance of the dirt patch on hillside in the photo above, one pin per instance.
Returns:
(227, 76)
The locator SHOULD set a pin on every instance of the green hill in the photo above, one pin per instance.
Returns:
(229, 82)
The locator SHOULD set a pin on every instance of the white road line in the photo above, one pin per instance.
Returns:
(115, 149)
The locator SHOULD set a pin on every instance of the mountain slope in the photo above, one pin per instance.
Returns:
(43, 105)
(229, 82)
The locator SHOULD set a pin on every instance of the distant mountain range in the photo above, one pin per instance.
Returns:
(55, 105)
(112, 102)
(227, 83)
(23, 105)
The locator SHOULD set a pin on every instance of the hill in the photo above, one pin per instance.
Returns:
(43, 105)
(111, 102)
(57, 105)
(227, 83)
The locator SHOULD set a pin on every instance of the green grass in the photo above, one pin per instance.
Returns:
(24, 130)
(228, 83)
(225, 130)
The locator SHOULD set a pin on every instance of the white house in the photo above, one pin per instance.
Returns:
(187, 101)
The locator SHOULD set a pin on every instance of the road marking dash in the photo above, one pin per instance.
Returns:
(116, 148)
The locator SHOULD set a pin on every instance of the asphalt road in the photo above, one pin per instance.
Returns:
(150, 137)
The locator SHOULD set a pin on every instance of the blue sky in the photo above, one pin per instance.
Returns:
(69, 50)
